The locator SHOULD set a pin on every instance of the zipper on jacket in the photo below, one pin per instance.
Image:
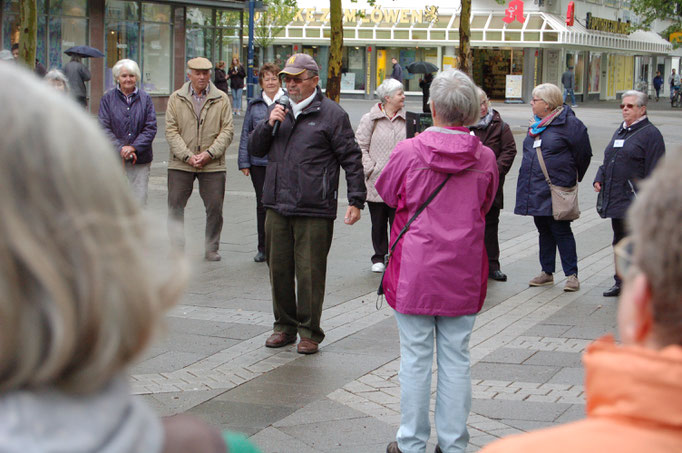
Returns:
(324, 184)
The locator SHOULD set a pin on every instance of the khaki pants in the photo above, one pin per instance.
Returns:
(212, 192)
(297, 247)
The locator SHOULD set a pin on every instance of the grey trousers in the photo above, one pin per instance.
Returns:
(138, 177)
(212, 192)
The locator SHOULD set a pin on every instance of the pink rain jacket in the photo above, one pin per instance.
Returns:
(439, 267)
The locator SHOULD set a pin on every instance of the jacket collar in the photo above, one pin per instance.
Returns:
(634, 127)
(377, 112)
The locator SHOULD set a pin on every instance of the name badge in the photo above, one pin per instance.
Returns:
(618, 143)
(536, 143)
(472, 133)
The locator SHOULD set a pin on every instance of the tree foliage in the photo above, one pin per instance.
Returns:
(271, 22)
(651, 10)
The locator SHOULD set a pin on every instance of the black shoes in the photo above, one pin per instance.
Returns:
(259, 258)
(614, 291)
(498, 276)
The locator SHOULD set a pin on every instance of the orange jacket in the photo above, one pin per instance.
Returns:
(634, 405)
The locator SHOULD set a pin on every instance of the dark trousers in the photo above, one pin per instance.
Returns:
(296, 248)
(492, 244)
(556, 234)
(618, 227)
(212, 192)
(258, 179)
(382, 216)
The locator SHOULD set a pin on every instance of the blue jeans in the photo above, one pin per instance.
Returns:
(453, 393)
(569, 92)
(237, 99)
(556, 234)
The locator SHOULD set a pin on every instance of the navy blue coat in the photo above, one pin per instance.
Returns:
(256, 112)
(567, 153)
(133, 125)
(623, 167)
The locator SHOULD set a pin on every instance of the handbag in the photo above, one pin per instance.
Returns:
(564, 199)
(380, 290)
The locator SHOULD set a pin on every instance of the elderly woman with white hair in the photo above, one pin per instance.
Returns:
(82, 290)
(442, 183)
(127, 115)
(57, 80)
(378, 132)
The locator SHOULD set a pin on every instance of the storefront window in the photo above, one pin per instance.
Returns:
(156, 58)
(69, 7)
(199, 35)
(595, 73)
(65, 32)
(282, 53)
(353, 69)
(577, 61)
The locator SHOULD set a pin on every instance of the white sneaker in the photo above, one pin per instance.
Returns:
(378, 267)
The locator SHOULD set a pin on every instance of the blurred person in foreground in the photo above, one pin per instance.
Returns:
(127, 116)
(634, 390)
(250, 165)
(199, 128)
(315, 139)
(82, 289)
(631, 155)
(496, 135)
(57, 80)
(436, 279)
(377, 134)
(565, 148)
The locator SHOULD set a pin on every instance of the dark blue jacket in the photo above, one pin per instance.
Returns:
(567, 153)
(256, 112)
(133, 124)
(624, 167)
(658, 82)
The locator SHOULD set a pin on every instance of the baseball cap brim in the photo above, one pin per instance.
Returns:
(292, 71)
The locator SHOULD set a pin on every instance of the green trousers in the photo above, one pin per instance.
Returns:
(296, 249)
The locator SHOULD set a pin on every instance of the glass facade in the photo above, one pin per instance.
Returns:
(213, 34)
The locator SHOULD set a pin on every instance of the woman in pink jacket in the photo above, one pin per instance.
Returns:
(437, 274)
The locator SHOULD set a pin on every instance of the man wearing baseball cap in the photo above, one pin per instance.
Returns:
(198, 130)
(313, 140)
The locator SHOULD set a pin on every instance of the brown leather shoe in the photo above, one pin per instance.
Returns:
(393, 448)
(279, 339)
(212, 256)
(307, 346)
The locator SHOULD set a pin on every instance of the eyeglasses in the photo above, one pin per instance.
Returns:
(296, 80)
(630, 106)
(624, 259)
(536, 100)
(484, 102)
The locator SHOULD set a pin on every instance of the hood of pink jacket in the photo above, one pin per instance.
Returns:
(448, 150)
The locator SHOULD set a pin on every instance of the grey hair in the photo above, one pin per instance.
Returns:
(82, 292)
(55, 75)
(454, 97)
(388, 88)
(549, 93)
(128, 65)
(641, 97)
(482, 95)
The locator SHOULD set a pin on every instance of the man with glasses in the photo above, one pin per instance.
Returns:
(630, 156)
(634, 390)
(313, 139)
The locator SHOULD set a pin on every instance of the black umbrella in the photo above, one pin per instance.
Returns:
(84, 51)
(421, 67)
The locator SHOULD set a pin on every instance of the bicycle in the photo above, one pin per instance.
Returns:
(676, 100)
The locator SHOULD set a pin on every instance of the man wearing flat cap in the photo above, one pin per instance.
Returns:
(198, 130)
(314, 140)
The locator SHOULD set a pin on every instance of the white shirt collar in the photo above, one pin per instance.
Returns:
(298, 108)
(625, 126)
(269, 101)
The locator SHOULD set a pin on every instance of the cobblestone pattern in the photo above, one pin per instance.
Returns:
(229, 315)
(528, 391)
(549, 344)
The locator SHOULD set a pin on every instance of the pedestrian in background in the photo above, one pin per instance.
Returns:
(425, 85)
(568, 81)
(56, 79)
(38, 69)
(436, 278)
(314, 139)
(127, 115)
(634, 389)
(496, 135)
(675, 84)
(565, 146)
(220, 78)
(397, 72)
(658, 83)
(77, 315)
(77, 74)
(377, 134)
(256, 112)
(198, 130)
(631, 155)
(237, 75)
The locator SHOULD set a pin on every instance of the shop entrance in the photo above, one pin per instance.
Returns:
(491, 66)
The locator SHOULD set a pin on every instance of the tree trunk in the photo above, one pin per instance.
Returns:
(465, 56)
(333, 90)
(28, 36)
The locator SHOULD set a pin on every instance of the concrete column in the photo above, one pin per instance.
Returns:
(96, 26)
(178, 47)
(531, 61)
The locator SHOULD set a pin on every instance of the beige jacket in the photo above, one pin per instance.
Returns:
(377, 135)
(188, 135)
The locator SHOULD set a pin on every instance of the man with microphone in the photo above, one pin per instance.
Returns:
(306, 143)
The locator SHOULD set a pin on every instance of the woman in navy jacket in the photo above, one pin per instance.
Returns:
(565, 146)
(256, 112)
(127, 115)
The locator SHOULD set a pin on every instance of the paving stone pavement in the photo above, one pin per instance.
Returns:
(525, 348)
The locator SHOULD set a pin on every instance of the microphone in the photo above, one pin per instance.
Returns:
(284, 102)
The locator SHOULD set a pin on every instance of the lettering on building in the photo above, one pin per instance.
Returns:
(607, 25)
(514, 12)
(376, 15)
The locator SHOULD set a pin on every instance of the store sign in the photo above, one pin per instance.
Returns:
(570, 14)
(607, 25)
(514, 12)
(377, 15)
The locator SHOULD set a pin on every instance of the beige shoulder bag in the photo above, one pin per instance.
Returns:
(564, 199)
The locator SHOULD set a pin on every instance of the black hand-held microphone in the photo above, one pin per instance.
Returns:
(284, 102)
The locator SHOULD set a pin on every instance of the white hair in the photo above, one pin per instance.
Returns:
(388, 88)
(641, 97)
(55, 75)
(128, 65)
(453, 95)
